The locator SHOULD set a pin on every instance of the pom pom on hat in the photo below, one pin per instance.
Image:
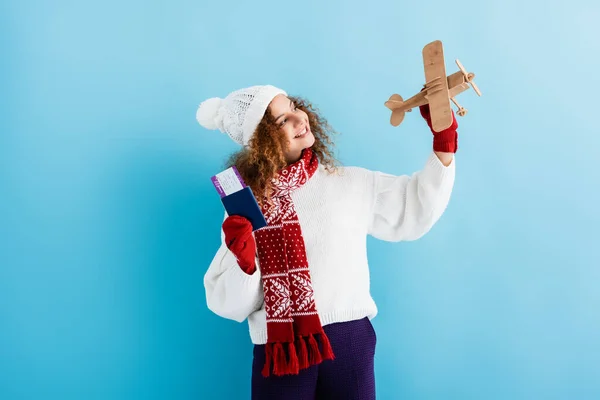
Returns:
(208, 113)
(239, 113)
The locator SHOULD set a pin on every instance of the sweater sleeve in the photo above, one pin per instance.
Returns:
(406, 207)
(230, 292)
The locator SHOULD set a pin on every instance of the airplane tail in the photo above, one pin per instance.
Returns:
(394, 103)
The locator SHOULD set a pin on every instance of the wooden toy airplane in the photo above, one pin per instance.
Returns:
(439, 89)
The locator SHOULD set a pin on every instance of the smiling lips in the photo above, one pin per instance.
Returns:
(302, 133)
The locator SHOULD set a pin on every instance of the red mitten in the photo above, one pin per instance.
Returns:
(240, 241)
(445, 141)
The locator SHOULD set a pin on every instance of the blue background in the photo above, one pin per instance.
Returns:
(109, 220)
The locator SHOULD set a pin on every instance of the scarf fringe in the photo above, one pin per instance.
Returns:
(293, 366)
(315, 354)
(268, 354)
(299, 357)
(279, 364)
(302, 353)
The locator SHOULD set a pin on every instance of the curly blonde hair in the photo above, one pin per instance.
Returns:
(262, 160)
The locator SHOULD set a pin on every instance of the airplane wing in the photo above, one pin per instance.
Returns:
(437, 86)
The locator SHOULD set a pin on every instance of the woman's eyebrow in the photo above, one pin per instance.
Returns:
(284, 113)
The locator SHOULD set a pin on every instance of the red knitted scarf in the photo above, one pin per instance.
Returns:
(293, 324)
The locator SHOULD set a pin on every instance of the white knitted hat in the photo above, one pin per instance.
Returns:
(239, 113)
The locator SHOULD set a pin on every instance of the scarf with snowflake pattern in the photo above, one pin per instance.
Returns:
(293, 325)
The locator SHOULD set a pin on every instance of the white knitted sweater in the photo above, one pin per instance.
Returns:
(336, 212)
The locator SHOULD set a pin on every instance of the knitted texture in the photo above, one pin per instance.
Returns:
(445, 141)
(239, 113)
(239, 239)
(350, 376)
(292, 319)
(337, 211)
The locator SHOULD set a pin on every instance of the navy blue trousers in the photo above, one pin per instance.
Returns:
(350, 376)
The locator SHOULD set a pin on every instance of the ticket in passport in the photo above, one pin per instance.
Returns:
(228, 181)
(237, 197)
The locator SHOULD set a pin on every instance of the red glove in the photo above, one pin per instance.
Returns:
(239, 239)
(445, 141)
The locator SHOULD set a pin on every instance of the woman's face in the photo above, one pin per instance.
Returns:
(293, 123)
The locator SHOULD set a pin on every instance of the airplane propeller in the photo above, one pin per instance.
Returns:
(468, 77)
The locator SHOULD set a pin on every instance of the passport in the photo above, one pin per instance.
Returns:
(237, 197)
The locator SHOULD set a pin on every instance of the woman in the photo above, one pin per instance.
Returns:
(303, 280)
